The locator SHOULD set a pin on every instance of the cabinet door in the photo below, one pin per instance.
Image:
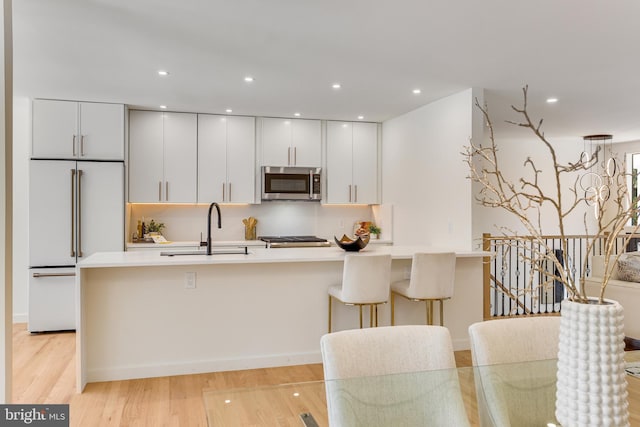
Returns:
(276, 142)
(212, 163)
(55, 129)
(365, 163)
(100, 207)
(101, 131)
(306, 142)
(241, 164)
(51, 212)
(180, 157)
(146, 156)
(339, 166)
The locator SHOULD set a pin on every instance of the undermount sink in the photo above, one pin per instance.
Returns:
(243, 250)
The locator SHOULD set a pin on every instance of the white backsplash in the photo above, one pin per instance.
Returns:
(186, 222)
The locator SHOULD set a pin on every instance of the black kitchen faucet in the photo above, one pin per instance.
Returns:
(209, 252)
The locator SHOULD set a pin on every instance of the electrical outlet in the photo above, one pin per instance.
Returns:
(190, 280)
(407, 272)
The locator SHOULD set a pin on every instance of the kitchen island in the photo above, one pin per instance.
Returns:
(145, 315)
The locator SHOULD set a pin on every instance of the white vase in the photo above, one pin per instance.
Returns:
(592, 387)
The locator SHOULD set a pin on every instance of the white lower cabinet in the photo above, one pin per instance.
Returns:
(226, 159)
(352, 163)
(52, 299)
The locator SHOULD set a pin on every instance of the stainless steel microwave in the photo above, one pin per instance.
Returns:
(290, 183)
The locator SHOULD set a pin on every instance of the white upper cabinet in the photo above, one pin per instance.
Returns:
(352, 163)
(291, 142)
(77, 130)
(162, 157)
(226, 159)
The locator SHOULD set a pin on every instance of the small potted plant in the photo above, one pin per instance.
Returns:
(374, 229)
(155, 227)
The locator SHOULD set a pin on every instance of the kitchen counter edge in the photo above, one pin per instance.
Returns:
(256, 256)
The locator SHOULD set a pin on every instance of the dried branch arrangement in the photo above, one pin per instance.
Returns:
(525, 198)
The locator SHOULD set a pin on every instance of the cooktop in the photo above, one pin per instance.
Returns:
(294, 241)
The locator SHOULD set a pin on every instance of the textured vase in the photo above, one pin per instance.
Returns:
(592, 387)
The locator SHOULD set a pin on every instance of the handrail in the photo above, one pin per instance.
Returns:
(514, 284)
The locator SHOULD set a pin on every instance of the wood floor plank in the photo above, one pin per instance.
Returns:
(44, 372)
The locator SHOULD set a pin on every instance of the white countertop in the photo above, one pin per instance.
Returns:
(256, 255)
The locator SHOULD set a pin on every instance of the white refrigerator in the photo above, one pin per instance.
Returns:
(76, 208)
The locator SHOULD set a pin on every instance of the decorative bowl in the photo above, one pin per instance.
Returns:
(352, 245)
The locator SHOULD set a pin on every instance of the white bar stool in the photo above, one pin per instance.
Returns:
(432, 279)
(365, 281)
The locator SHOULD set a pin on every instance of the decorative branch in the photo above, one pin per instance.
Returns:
(525, 197)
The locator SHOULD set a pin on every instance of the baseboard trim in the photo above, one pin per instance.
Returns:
(20, 317)
(201, 367)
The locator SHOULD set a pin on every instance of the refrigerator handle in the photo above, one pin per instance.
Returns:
(73, 213)
(54, 274)
(79, 212)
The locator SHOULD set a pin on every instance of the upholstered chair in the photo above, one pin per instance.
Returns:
(391, 376)
(509, 394)
(365, 281)
(432, 279)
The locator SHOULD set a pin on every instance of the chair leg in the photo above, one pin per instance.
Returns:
(430, 313)
(441, 312)
(360, 308)
(426, 308)
(376, 315)
(329, 313)
(371, 315)
(393, 309)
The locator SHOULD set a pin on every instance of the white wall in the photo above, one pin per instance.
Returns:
(6, 94)
(21, 143)
(423, 173)
(512, 155)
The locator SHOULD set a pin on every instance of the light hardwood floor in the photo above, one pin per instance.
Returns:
(44, 372)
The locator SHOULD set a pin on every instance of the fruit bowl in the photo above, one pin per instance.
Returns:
(352, 245)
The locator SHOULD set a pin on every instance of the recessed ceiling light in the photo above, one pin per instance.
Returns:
(163, 73)
(163, 107)
(360, 117)
(336, 86)
(229, 110)
(417, 91)
(296, 114)
(552, 100)
(248, 79)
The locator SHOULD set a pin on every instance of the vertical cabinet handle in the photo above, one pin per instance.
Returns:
(73, 145)
(288, 156)
(229, 193)
(355, 192)
(166, 191)
(80, 212)
(159, 191)
(73, 212)
(295, 156)
(349, 193)
(81, 145)
(223, 191)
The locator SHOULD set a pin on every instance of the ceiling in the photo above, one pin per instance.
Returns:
(584, 52)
